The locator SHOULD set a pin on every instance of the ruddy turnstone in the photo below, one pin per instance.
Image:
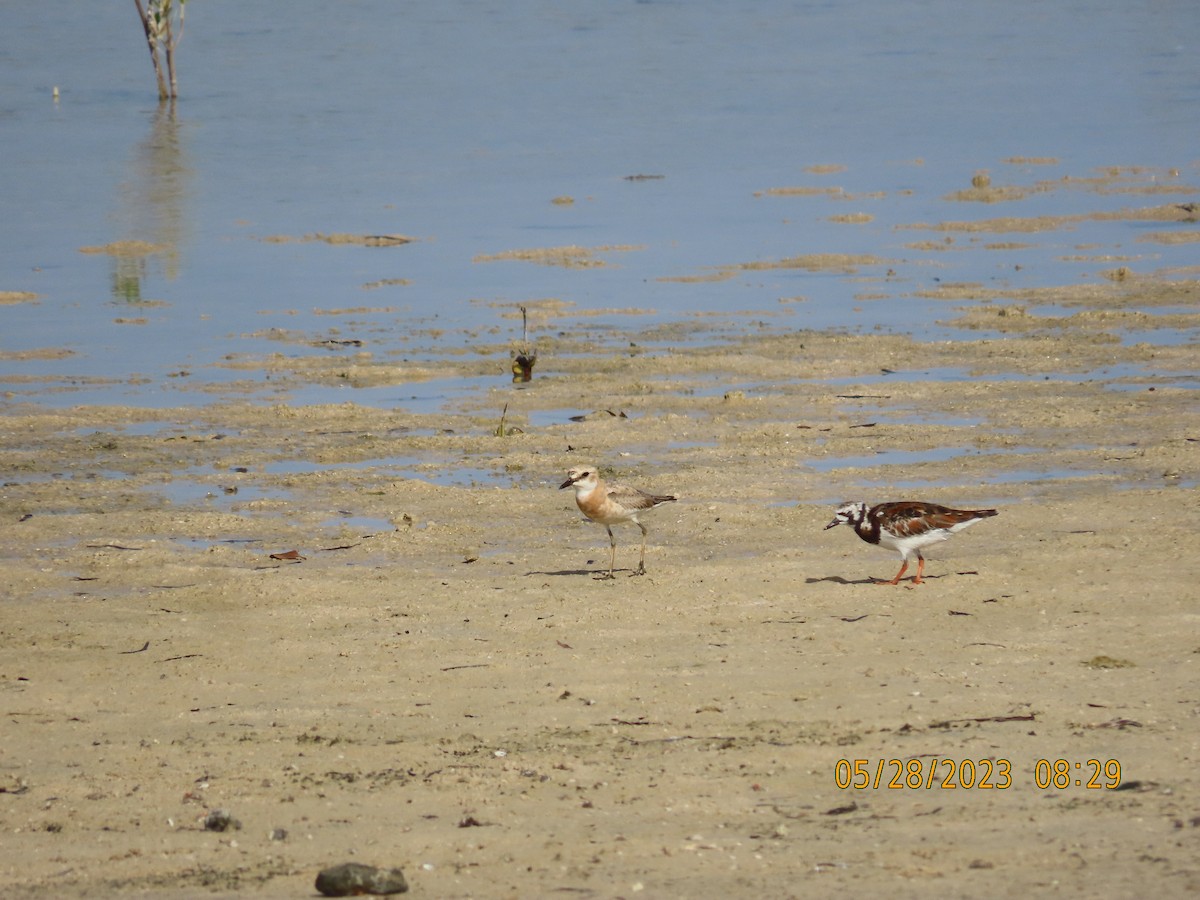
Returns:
(906, 526)
(611, 504)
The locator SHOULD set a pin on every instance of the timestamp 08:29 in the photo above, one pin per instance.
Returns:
(946, 773)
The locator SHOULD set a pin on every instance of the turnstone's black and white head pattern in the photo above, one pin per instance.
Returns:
(906, 526)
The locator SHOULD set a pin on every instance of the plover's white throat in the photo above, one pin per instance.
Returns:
(906, 526)
(612, 504)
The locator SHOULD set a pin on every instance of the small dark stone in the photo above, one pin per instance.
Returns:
(221, 820)
(353, 879)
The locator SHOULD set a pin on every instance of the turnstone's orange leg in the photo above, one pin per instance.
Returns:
(896, 580)
(920, 568)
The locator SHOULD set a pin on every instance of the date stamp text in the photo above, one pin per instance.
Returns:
(947, 774)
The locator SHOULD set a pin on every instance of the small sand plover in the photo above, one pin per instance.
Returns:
(611, 504)
(906, 526)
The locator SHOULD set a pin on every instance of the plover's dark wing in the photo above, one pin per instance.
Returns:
(633, 498)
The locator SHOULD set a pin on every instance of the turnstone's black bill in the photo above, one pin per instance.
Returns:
(906, 526)
(610, 504)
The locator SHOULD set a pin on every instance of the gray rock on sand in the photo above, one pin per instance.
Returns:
(353, 879)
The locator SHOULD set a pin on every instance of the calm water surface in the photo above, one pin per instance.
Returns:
(459, 123)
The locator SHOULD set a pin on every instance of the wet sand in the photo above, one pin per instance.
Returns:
(438, 682)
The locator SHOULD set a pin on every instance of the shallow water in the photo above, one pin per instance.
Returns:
(459, 123)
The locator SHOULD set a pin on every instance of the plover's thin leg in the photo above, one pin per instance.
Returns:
(641, 569)
(612, 552)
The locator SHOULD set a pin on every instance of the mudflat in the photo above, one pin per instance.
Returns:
(371, 635)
